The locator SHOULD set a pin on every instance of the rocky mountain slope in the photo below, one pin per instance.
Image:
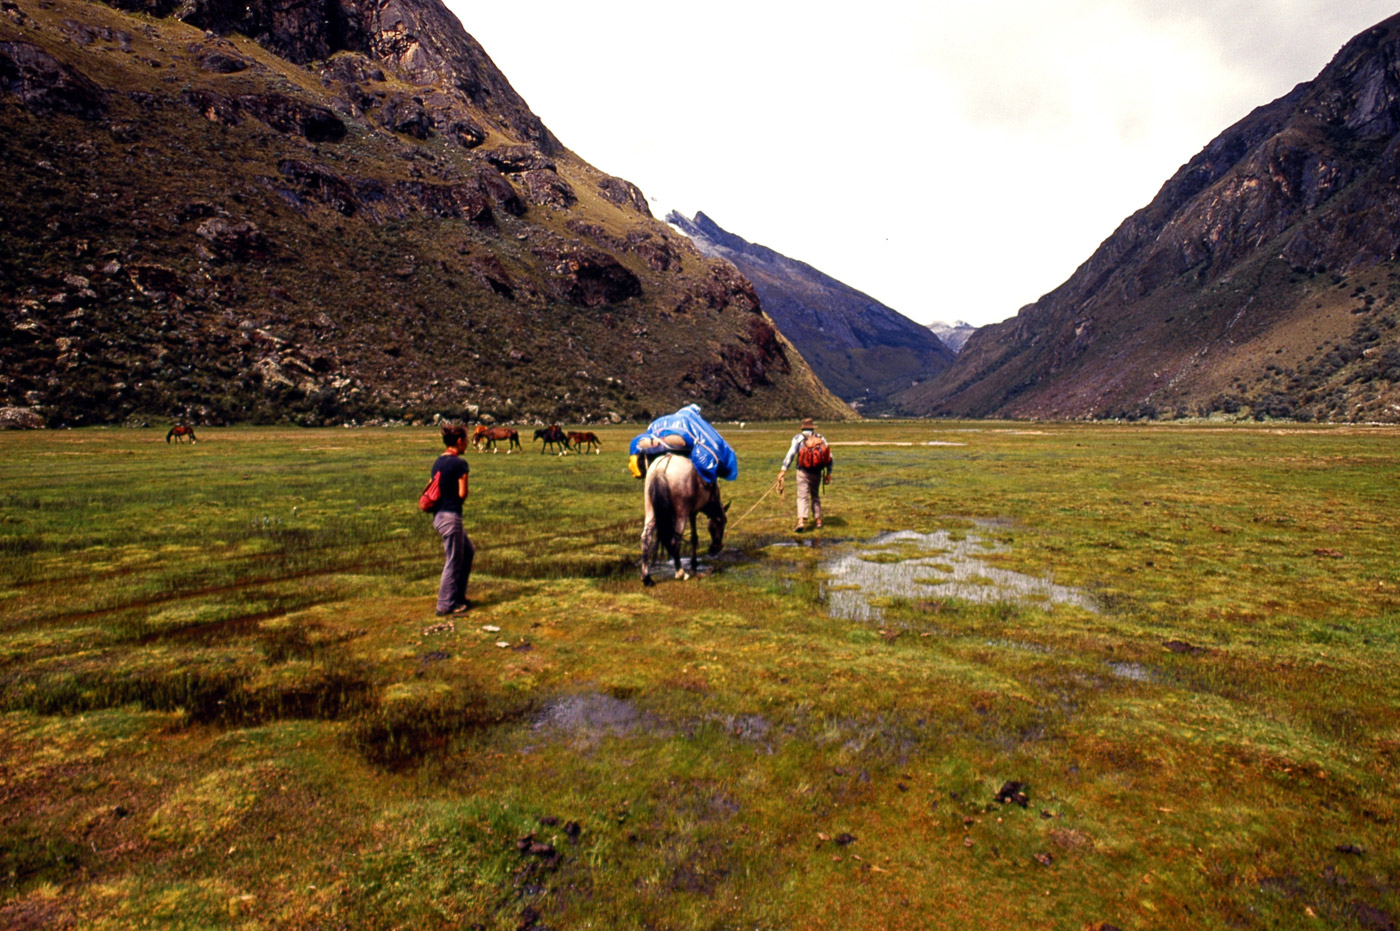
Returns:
(862, 350)
(1262, 279)
(953, 335)
(334, 211)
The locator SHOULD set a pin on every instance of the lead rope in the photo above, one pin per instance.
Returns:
(756, 503)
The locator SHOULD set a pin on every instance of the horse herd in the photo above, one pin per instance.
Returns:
(485, 438)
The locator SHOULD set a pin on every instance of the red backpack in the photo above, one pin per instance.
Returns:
(813, 453)
(428, 500)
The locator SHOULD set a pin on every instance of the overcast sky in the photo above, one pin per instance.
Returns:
(954, 160)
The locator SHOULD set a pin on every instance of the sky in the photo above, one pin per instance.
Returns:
(954, 159)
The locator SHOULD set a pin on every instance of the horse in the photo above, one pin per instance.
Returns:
(179, 432)
(489, 435)
(552, 436)
(580, 440)
(673, 494)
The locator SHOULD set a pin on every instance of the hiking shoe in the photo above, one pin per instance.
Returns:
(799, 528)
(456, 610)
(819, 523)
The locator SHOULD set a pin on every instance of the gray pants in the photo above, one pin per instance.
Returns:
(809, 493)
(457, 566)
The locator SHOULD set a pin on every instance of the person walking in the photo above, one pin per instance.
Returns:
(452, 471)
(813, 457)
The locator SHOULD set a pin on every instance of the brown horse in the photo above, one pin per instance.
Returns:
(672, 495)
(486, 437)
(179, 432)
(579, 440)
(552, 436)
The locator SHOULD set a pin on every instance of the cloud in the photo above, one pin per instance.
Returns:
(954, 159)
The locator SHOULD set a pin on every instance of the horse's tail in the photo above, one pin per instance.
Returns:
(170, 434)
(663, 509)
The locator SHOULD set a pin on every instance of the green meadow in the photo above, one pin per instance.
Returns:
(226, 702)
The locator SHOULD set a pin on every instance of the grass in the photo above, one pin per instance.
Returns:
(225, 700)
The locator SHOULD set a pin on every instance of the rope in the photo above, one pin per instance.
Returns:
(756, 503)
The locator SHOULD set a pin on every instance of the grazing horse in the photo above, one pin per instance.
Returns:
(489, 435)
(552, 436)
(179, 432)
(673, 494)
(579, 440)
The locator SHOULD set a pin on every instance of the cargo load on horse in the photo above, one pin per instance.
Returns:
(685, 433)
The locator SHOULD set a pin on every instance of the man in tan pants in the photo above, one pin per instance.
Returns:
(809, 447)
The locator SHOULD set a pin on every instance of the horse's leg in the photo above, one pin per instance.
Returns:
(694, 546)
(678, 547)
(648, 548)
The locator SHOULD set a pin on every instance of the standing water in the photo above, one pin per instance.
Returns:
(906, 564)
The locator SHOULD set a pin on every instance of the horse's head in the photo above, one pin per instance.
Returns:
(718, 518)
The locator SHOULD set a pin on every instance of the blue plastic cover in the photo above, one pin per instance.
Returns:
(711, 455)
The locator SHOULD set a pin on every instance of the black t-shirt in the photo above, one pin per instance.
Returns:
(452, 468)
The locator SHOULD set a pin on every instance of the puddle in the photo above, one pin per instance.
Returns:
(590, 714)
(920, 566)
(1133, 672)
(1024, 646)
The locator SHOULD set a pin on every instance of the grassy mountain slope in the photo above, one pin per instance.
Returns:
(1262, 278)
(352, 217)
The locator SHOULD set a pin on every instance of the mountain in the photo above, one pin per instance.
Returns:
(1262, 278)
(333, 211)
(953, 335)
(862, 350)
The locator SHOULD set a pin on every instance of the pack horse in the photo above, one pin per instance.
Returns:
(672, 495)
(179, 432)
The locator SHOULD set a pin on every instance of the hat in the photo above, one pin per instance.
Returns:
(807, 424)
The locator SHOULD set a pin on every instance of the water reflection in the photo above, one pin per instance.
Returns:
(906, 564)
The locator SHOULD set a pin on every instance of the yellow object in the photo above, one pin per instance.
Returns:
(634, 466)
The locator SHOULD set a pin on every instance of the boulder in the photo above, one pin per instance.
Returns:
(404, 114)
(20, 418)
(587, 277)
(289, 115)
(45, 85)
(515, 158)
(624, 194)
(351, 68)
(223, 63)
(233, 240)
(546, 189)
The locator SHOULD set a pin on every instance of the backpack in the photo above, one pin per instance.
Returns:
(428, 500)
(813, 453)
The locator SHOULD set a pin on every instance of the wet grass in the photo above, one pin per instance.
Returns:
(225, 700)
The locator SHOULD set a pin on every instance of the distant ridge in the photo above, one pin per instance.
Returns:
(1261, 280)
(862, 350)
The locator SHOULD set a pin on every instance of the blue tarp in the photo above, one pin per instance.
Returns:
(711, 455)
